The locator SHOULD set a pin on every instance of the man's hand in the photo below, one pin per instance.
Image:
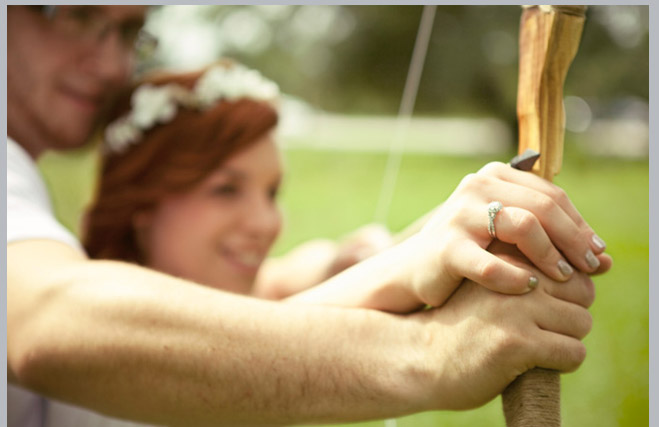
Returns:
(487, 338)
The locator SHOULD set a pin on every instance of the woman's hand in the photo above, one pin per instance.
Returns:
(537, 217)
(427, 267)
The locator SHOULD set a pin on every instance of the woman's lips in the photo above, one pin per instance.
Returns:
(245, 261)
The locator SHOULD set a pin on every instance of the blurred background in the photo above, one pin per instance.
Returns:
(343, 69)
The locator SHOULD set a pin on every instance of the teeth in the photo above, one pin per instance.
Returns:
(251, 259)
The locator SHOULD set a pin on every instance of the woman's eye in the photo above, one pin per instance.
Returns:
(226, 190)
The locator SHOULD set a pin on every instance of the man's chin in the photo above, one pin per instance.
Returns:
(74, 140)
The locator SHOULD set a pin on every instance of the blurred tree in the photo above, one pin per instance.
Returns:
(354, 59)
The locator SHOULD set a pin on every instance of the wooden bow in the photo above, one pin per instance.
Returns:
(549, 39)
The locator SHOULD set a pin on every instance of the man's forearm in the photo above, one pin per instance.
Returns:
(133, 343)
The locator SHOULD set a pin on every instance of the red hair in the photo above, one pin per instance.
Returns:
(168, 159)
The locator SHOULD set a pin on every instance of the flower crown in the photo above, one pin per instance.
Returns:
(153, 105)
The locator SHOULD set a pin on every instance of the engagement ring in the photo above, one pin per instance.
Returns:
(492, 209)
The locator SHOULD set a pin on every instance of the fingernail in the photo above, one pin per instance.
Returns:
(533, 282)
(592, 260)
(599, 243)
(565, 268)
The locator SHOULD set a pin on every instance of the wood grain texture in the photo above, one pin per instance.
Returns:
(549, 39)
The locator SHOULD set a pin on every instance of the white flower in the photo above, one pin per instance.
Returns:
(120, 134)
(233, 83)
(152, 105)
(267, 90)
(214, 85)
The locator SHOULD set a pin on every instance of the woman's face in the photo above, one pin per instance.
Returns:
(219, 233)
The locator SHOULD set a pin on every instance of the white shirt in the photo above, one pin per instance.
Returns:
(29, 210)
(30, 215)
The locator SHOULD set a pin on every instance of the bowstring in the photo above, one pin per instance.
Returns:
(405, 110)
(403, 120)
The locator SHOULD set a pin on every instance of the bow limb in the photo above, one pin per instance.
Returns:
(549, 39)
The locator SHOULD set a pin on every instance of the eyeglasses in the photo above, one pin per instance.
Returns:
(88, 24)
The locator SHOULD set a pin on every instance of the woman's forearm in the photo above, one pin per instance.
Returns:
(381, 282)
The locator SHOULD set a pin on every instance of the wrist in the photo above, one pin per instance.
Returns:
(415, 374)
(404, 364)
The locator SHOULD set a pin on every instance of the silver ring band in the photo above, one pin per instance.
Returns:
(492, 209)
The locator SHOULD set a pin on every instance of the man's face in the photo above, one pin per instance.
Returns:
(59, 83)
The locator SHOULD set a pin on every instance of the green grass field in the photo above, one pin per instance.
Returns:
(330, 193)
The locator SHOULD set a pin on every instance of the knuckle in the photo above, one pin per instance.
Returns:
(467, 181)
(430, 296)
(457, 213)
(473, 182)
(586, 295)
(584, 324)
(545, 204)
(525, 222)
(507, 341)
(589, 323)
(572, 354)
(577, 241)
(549, 253)
(589, 288)
(488, 270)
(492, 168)
(577, 355)
(559, 195)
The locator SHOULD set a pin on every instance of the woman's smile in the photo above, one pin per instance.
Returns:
(245, 261)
